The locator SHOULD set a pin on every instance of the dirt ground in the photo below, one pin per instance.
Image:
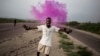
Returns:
(26, 45)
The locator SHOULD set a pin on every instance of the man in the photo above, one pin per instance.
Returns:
(47, 31)
(15, 22)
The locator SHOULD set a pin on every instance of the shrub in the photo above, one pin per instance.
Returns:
(71, 49)
(83, 51)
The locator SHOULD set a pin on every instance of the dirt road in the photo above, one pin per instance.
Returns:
(26, 45)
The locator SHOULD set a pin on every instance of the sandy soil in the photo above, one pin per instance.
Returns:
(26, 45)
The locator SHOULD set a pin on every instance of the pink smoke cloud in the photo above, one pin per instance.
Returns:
(51, 8)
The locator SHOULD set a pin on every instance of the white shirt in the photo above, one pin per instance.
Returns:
(47, 34)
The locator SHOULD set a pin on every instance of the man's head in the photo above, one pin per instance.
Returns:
(48, 21)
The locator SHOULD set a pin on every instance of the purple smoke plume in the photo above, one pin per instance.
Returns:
(51, 8)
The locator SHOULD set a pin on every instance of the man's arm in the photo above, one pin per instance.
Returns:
(28, 28)
(66, 30)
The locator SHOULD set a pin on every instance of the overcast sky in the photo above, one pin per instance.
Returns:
(78, 10)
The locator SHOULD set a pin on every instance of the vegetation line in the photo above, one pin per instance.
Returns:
(71, 49)
(88, 26)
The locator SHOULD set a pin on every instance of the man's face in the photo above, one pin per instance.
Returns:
(48, 22)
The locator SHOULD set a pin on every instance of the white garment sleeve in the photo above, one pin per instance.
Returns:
(39, 28)
(56, 29)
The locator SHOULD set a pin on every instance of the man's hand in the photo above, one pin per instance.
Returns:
(25, 27)
(28, 28)
(66, 30)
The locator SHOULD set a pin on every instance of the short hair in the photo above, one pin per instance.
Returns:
(48, 18)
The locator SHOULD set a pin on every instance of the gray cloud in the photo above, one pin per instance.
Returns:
(78, 10)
